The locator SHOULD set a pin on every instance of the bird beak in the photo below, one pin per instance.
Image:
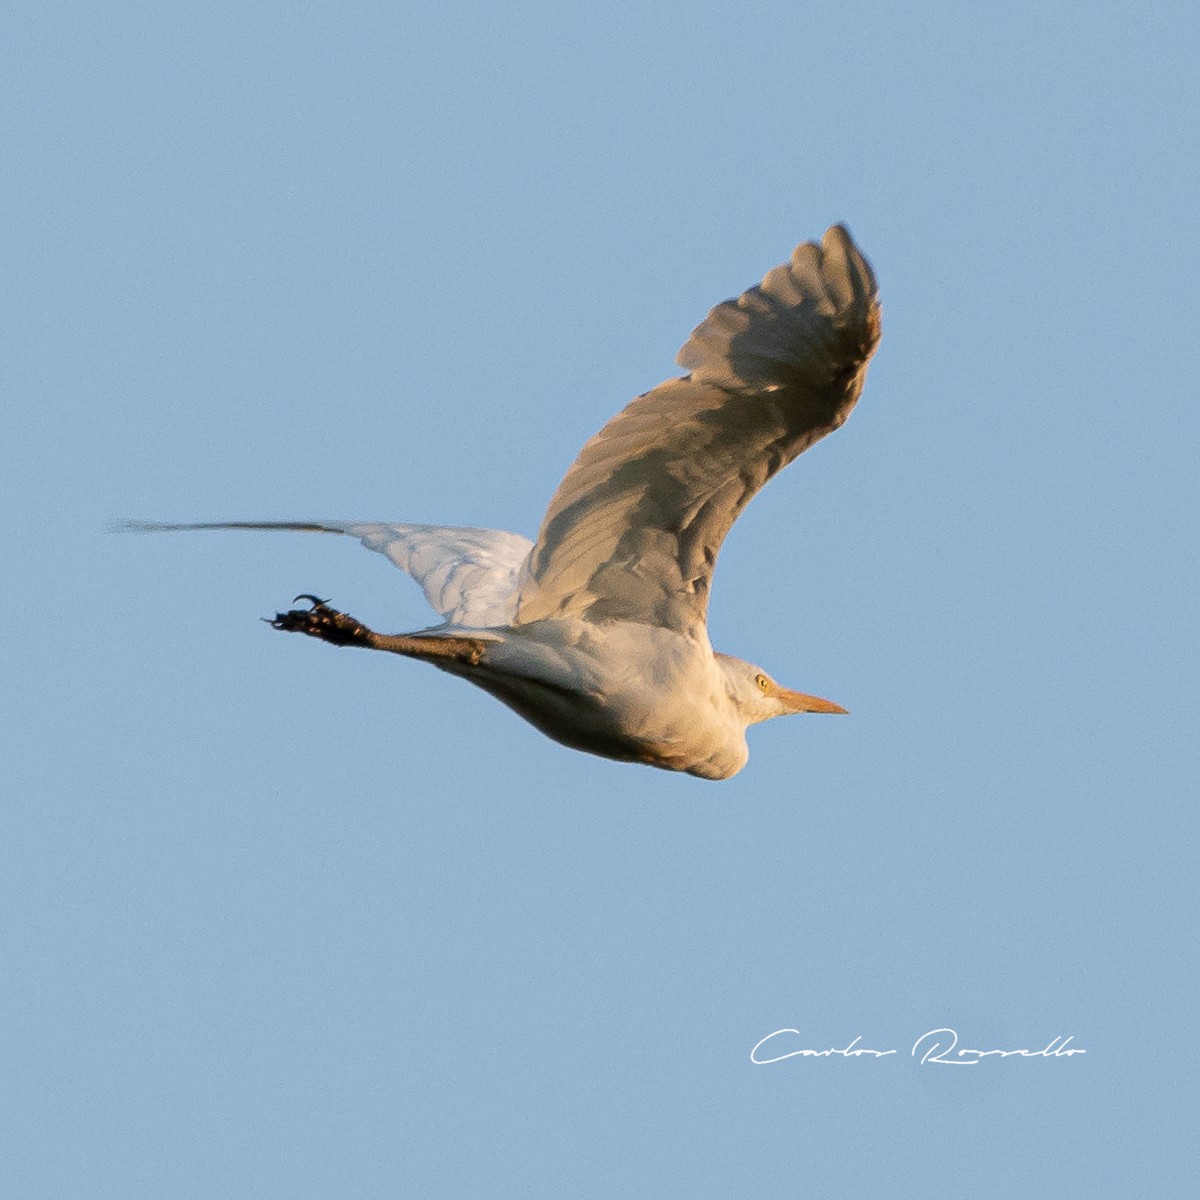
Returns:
(798, 702)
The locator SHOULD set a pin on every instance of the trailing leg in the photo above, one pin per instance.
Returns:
(341, 629)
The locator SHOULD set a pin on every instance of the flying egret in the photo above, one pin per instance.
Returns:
(596, 633)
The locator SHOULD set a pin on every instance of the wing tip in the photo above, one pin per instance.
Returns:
(139, 526)
(745, 341)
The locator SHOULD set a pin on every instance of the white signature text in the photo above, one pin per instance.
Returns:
(938, 1046)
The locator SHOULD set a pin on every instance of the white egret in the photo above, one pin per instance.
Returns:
(596, 632)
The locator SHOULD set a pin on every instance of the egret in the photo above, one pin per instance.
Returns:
(596, 632)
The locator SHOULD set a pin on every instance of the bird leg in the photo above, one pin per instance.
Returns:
(341, 629)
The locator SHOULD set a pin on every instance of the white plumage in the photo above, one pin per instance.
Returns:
(596, 632)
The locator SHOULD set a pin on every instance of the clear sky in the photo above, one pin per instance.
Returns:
(279, 920)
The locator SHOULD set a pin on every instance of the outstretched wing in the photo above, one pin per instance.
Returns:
(634, 530)
(469, 576)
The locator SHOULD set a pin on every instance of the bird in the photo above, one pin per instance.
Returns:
(596, 633)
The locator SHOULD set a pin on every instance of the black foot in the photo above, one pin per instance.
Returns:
(321, 621)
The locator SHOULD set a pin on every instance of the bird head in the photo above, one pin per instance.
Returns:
(759, 698)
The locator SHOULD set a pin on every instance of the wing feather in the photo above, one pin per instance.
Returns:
(469, 576)
(634, 530)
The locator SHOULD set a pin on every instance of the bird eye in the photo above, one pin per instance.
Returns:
(761, 680)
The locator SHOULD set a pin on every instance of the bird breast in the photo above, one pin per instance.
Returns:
(621, 690)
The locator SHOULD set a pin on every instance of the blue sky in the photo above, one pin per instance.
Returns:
(284, 921)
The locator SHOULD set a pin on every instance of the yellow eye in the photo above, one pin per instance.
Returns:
(762, 681)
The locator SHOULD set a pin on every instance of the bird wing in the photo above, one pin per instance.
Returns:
(469, 576)
(634, 530)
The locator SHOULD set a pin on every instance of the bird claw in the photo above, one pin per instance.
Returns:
(321, 621)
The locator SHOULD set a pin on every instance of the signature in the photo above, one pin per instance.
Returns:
(940, 1046)
(1055, 1048)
